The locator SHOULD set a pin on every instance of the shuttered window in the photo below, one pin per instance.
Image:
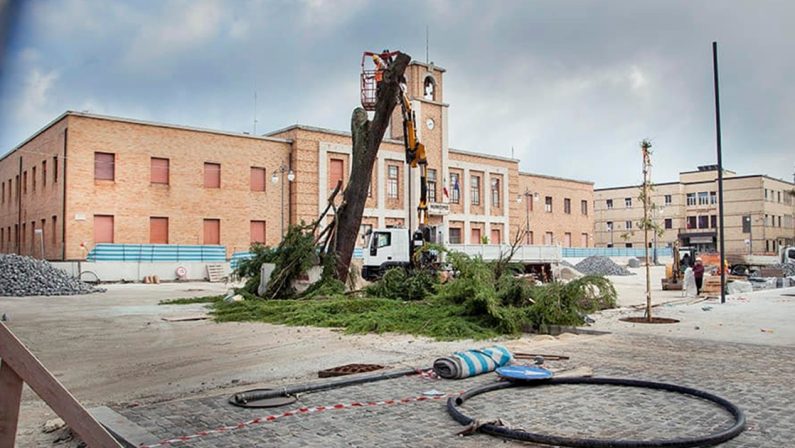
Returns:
(495, 236)
(337, 173)
(158, 230)
(159, 171)
(258, 232)
(212, 231)
(103, 229)
(257, 179)
(212, 175)
(104, 166)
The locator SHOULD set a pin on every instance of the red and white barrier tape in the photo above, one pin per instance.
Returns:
(298, 411)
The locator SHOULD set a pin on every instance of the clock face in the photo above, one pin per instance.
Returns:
(430, 123)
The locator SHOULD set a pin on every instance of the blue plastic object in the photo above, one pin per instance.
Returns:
(524, 373)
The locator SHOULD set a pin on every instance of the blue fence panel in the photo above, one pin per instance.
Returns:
(237, 257)
(156, 252)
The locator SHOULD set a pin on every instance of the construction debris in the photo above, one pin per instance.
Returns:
(26, 276)
(787, 268)
(596, 265)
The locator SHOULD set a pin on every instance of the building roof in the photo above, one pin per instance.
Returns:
(727, 179)
(304, 127)
(546, 176)
(480, 154)
(428, 66)
(141, 122)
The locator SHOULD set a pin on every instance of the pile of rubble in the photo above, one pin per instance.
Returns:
(25, 276)
(601, 266)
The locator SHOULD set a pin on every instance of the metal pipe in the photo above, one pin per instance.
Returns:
(720, 176)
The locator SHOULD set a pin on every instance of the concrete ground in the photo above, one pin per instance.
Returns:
(114, 349)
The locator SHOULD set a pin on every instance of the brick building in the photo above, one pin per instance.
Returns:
(86, 179)
(758, 213)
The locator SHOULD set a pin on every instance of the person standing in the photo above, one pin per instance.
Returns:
(698, 273)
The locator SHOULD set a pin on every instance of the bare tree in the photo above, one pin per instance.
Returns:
(367, 136)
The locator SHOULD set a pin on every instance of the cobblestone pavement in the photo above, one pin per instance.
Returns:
(757, 378)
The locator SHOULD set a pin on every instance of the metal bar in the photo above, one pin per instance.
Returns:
(720, 176)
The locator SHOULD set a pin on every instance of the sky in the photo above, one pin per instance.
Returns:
(572, 86)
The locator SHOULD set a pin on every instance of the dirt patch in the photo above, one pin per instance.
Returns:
(654, 320)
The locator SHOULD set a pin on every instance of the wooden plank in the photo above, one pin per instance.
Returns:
(31, 370)
(128, 433)
(215, 272)
(10, 396)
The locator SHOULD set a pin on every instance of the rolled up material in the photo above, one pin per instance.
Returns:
(472, 362)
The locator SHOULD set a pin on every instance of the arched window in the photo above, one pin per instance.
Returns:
(429, 88)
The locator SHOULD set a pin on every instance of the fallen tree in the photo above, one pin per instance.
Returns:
(367, 136)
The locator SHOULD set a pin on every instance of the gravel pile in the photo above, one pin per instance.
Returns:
(788, 268)
(601, 266)
(567, 264)
(25, 276)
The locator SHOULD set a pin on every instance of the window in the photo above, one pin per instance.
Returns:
(584, 207)
(365, 230)
(104, 166)
(548, 204)
(33, 179)
(103, 229)
(549, 238)
(24, 232)
(713, 197)
(431, 181)
(778, 193)
(703, 222)
(257, 232)
(496, 236)
(703, 198)
(567, 206)
(18, 185)
(567, 239)
(495, 193)
(713, 221)
(530, 237)
(429, 91)
(455, 235)
(628, 202)
(158, 171)
(43, 173)
(258, 179)
(455, 188)
(336, 173)
(746, 223)
(584, 239)
(4, 192)
(609, 203)
(392, 181)
(158, 230)
(669, 223)
(25, 182)
(212, 175)
(54, 232)
(628, 225)
(55, 169)
(382, 239)
(475, 189)
(212, 231)
(668, 199)
(476, 237)
(691, 199)
(609, 226)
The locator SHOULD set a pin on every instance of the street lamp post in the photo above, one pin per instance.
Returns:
(528, 196)
(277, 175)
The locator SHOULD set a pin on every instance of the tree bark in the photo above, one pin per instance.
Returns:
(367, 136)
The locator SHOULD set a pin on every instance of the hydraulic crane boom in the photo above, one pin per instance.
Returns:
(415, 150)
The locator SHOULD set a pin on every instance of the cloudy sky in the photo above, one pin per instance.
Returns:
(572, 86)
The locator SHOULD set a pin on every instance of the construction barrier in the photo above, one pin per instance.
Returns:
(156, 252)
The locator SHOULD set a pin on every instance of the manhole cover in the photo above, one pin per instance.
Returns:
(349, 369)
(643, 320)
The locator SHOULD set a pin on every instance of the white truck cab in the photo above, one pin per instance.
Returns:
(385, 249)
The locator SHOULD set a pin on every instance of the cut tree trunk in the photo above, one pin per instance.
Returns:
(367, 136)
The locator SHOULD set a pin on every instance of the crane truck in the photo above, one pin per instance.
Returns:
(389, 248)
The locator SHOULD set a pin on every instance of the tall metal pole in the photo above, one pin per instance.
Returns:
(281, 182)
(720, 176)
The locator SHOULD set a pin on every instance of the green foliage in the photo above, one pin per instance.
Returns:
(191, 300)
(403, 284)
(294, 256)
(437, 320)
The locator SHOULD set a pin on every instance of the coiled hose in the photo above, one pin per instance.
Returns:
(683, 442)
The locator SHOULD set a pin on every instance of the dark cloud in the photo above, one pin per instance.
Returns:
(572, 86)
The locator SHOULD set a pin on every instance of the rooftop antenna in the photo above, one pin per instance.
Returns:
(427, 59)
(255, 112)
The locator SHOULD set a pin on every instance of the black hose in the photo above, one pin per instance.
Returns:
(682, 442)
(259, 394)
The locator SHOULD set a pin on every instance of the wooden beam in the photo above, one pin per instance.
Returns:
(10, 396)
(14, 354)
